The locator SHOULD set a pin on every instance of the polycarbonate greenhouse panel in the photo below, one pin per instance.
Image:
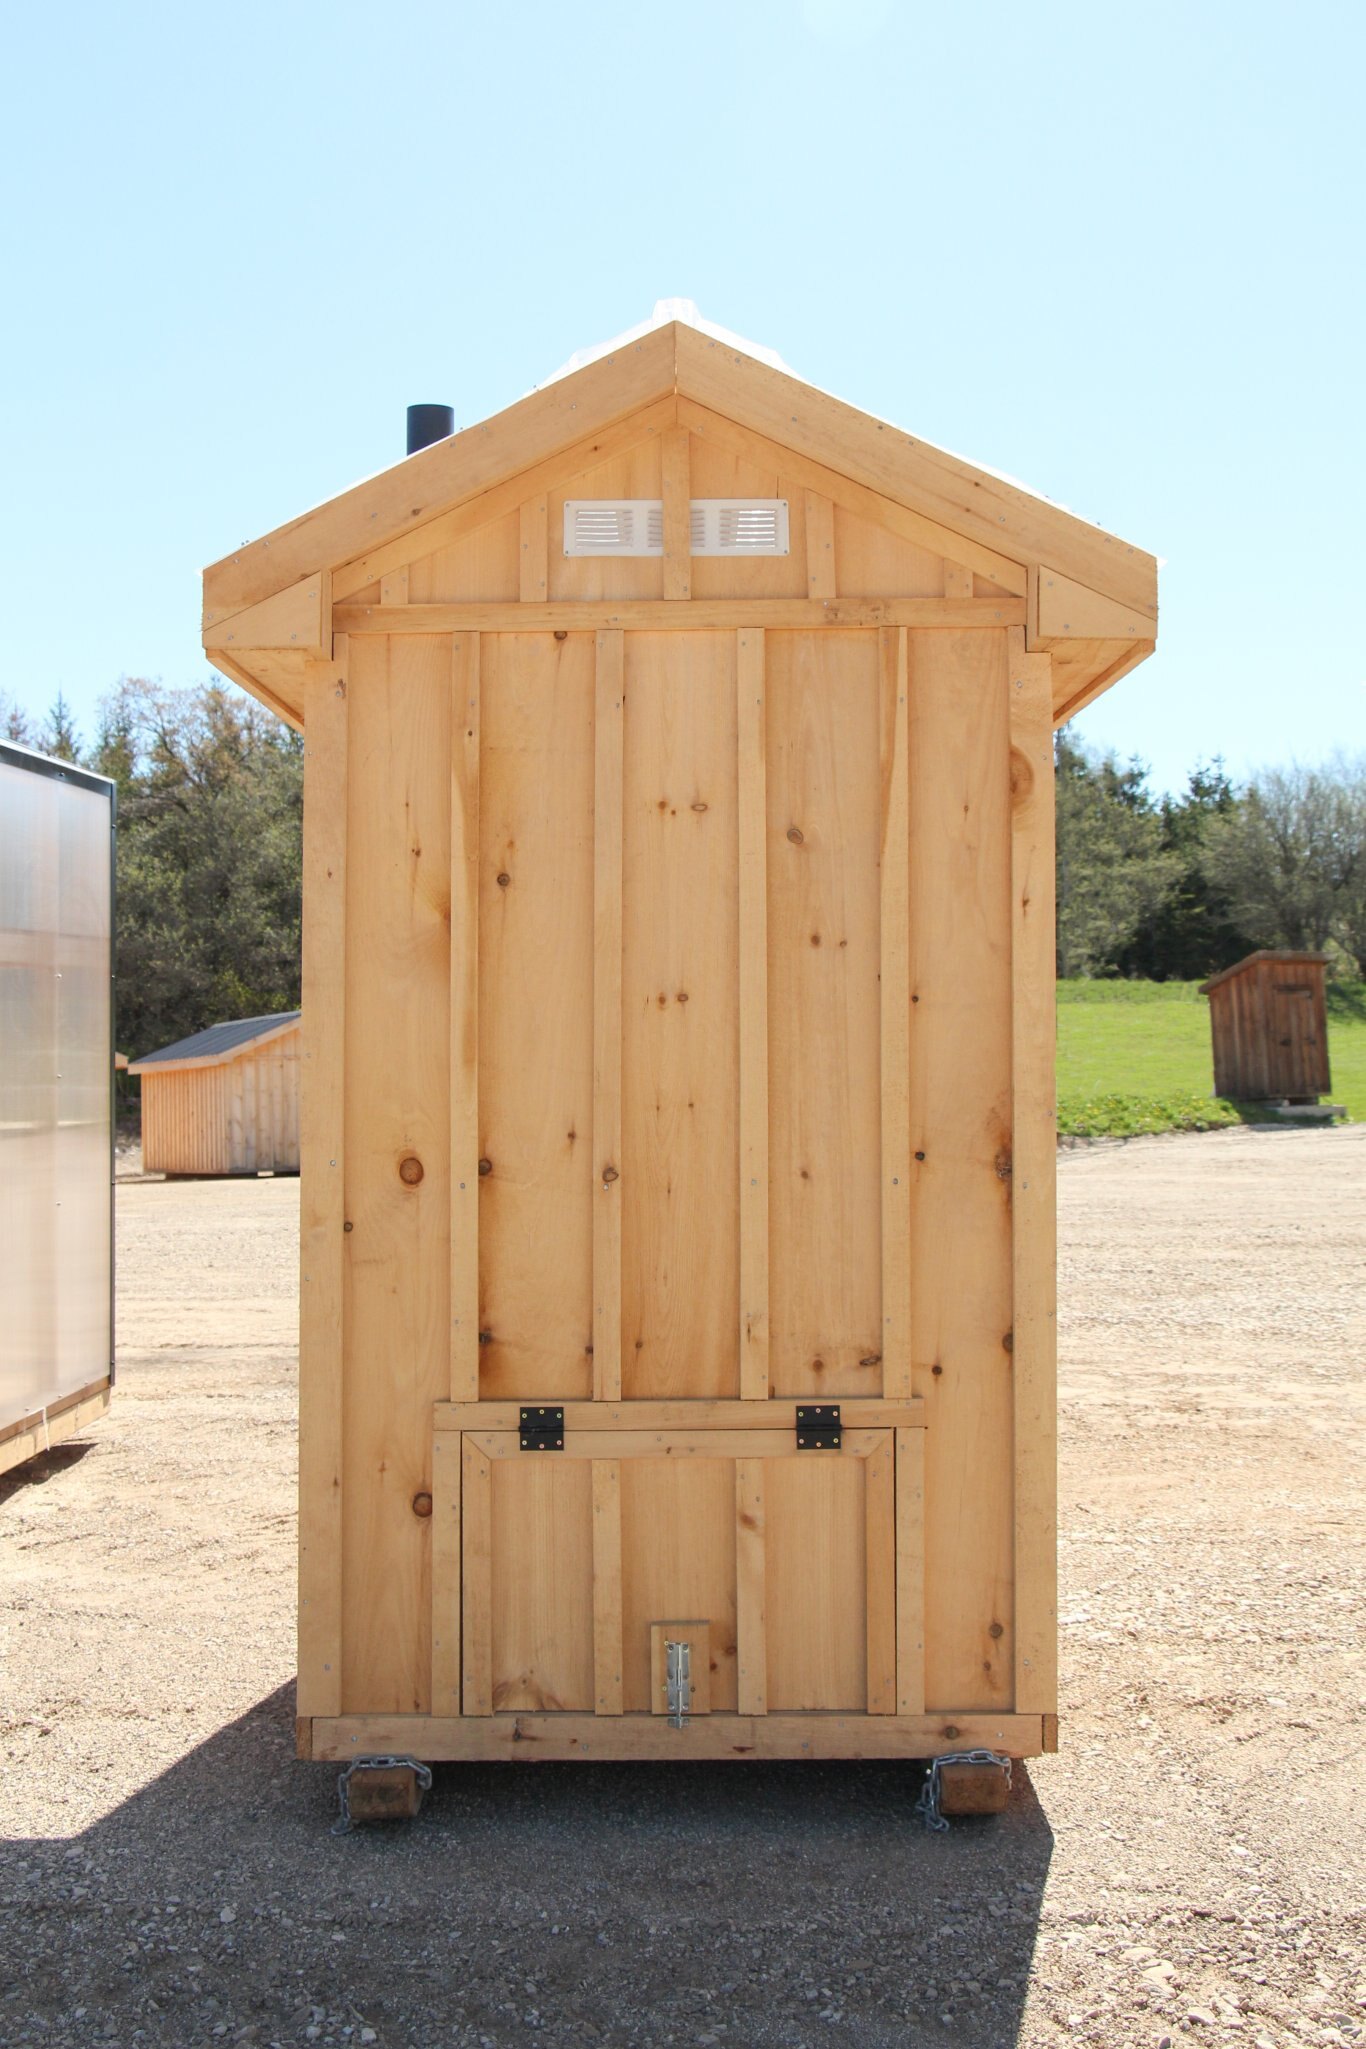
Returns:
(56, 853)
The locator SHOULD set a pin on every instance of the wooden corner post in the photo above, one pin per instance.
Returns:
(1033, 1203)
(322, 1189)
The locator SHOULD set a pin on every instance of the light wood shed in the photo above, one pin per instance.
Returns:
(678, 1059)
(1269, 1020)
(225, 1100)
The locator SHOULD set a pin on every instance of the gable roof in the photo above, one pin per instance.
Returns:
(1085, 586)
(218, 1043)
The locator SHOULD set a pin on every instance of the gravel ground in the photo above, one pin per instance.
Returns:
(1189, 1867)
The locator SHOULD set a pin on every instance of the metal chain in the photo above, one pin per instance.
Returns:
(342, 1825)
(927, 1806)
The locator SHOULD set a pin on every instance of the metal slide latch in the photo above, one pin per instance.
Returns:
(818, 1426)
(678, 1682)
(541, 1429)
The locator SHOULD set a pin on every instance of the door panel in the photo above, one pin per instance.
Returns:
(793, 1561)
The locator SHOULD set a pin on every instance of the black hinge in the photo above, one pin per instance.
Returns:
(542, 1429)
(818, 1426)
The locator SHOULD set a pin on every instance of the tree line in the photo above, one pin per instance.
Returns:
(210, 810)
(1175, 888)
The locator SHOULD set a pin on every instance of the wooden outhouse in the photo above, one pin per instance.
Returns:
(678, 1114)
(225, 1100)
(1269, 1020)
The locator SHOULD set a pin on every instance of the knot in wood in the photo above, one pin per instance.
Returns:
(504, 879)
(796, 835)
(486, 1166)
(609, 1174)
(410, 1169)
(422, 1504)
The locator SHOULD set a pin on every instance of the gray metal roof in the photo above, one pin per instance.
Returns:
(216, 1040)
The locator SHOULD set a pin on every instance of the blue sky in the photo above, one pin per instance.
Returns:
(1116, 253)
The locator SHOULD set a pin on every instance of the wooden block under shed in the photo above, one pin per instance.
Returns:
(388, 1792)
(973, 1788)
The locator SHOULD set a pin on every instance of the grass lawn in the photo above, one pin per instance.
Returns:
(1135, 1056)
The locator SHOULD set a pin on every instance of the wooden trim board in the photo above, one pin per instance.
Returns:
(322, 1196)
(551, 1738)
(656, 615)
(781, 1414)
(1033, 1180)
(464, 973)
(608, 770)
(752, 803)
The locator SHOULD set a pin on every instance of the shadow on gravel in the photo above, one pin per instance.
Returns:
(37, 1471)
(783, 1905)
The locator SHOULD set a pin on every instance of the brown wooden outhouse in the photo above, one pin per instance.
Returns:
(1269, 1021)
(678, 1115)
(225, 1100)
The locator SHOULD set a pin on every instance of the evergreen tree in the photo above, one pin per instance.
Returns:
(209, 858)
(14, 723)
(59, 737)
(1191, 931)
(1112, 868)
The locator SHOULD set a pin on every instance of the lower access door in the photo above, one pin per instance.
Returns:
(792, 1576)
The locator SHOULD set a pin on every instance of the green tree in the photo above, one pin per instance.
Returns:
(1191, 930)
(1291, 857)
(209, 856)
(14, 723)
(1112, 867)
(59, 736)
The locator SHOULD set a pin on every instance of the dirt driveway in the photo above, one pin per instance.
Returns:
(1192, 1865)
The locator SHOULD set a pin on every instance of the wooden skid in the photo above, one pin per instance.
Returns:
(384, 1793)
(973, 1789)
(544, 1739)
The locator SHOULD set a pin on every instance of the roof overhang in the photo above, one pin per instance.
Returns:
(1091, 598)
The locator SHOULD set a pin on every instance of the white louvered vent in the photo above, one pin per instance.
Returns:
(635, 526)
(614, 526)
(739, 526)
